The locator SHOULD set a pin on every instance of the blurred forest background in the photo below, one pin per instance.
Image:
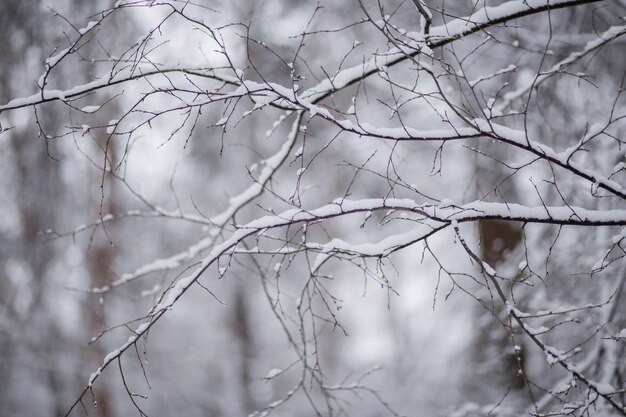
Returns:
(414, 336)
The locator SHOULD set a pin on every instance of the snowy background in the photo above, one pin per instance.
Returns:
(158, 129)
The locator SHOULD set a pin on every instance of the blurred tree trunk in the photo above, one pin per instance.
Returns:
(100, 260)
(32, 190)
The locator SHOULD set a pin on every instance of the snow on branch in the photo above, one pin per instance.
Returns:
(439, 216)
(109, 80)
(519, 138)
(493, 15)
(219, 221)
(438, 36)
(603, 39)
